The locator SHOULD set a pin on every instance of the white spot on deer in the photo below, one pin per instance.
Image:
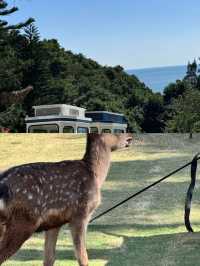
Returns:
(71, 184)
(30, 196)
(51, 187)
(2, 204)
(24, 191)
(36, 211)
(17, 190)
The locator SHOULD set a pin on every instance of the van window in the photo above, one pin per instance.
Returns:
(82, 130)
(68, 129)
(118, 130)
(94, 130)
(44, 129)
(106, 130)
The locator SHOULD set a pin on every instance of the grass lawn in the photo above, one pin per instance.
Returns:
(148, 230)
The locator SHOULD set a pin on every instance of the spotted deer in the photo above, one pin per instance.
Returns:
(44, 196)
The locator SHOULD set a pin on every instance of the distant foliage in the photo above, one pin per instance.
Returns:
(185, 115)
(60, 76)
(181, 101)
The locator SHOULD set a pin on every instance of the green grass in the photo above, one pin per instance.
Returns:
(148, 230)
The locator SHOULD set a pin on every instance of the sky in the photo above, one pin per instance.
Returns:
(130, 33)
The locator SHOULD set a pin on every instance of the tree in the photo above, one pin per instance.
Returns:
(5, 11)
(153, 114)
(11, 66)
(174, 90)
(14, 97)
(185, 113)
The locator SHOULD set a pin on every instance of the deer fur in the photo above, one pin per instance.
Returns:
(44, 196)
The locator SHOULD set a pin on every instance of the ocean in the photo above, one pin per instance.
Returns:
(157, 78)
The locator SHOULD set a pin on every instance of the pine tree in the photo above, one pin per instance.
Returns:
(4, 11)
(31, 33)
(10, 63)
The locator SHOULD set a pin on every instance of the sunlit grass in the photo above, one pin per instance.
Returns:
(148, 230)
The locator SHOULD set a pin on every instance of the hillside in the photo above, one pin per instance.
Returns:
(60, 76)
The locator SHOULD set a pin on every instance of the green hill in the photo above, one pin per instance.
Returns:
(60, 76)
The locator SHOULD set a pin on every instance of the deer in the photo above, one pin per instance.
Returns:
(43, 196)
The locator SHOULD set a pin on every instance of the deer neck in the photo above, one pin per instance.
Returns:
(98, 159)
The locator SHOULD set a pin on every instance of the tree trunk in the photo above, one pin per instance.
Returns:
(14, 97)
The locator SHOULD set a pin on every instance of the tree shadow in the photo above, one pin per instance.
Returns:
(173, 249)
(179, 249)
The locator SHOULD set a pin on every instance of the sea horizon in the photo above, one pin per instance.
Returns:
(158, 78)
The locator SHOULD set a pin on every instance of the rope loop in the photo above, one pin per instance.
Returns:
(188, 200)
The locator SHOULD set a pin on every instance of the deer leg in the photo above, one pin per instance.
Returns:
(13, 237)
(78, 231)
(51, 237)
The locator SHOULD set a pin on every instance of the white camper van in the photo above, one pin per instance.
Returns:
(62, 118)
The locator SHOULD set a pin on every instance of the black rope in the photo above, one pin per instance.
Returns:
(143, 190)
(188, 199)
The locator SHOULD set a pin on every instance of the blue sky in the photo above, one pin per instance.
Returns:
(132, 33)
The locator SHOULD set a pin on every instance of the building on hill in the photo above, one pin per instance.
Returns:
(62, 118)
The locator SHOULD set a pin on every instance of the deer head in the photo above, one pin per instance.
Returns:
(117, 141)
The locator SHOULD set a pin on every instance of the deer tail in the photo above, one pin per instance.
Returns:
(188, 200)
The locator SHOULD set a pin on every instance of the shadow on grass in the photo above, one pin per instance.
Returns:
(143, 170)
(180, 249)
(164, 197)
(174, 249)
